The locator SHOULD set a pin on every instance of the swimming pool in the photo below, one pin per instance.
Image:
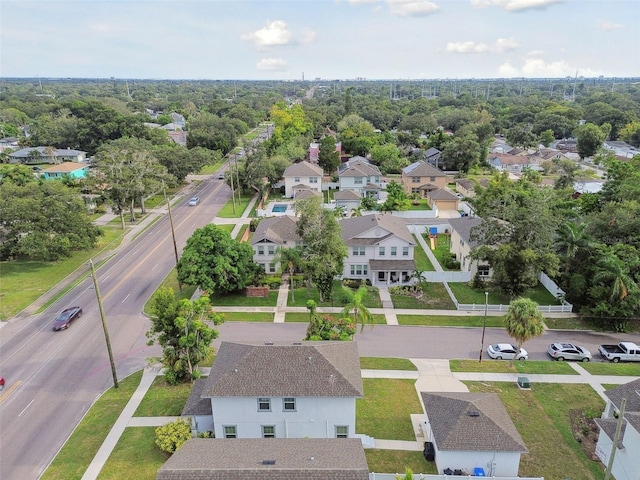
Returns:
(279, 208)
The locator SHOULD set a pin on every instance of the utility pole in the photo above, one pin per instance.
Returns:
(233, 193)
(616, 439)
(104, 325)
(484, 324)
(173, 232)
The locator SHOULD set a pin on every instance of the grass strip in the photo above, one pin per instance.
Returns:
(524, 366)
(302, 317)
(227, 211)
(163, 399)
(85, 441)
(606, 368)
(135, 456)
(248, 317)
(387, 363)
(397, 461)
(449, 321)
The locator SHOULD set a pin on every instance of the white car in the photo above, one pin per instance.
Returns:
(194, 201)
(506, 351)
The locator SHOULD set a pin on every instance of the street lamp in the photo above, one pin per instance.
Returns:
(484, 323)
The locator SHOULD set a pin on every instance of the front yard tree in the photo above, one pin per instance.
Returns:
(356, 304)
(181, 328)
(328, 156)
(215, 262)
(290, 261)
(590, 138)
(523, 321)
(324, 251)
(173, 435)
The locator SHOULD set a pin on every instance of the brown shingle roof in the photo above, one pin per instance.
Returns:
(303, 169)
(346, 195)
(310, 369)
(66, 167)
(358, 167)
(422, 169)
(244, 459)
(277, 230)
(441, 194)
(353, 228)
(471, 422)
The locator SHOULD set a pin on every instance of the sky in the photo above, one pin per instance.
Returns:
(325, 39)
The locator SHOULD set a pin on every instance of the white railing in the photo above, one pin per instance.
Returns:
(426, 476)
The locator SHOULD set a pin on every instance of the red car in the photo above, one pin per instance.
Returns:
(67, 316)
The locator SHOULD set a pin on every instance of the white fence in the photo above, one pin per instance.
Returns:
(426, 476)
(447, 276)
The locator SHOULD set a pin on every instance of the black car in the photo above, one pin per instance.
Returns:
(67, 316)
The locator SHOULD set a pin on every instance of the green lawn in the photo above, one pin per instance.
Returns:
(249, 317)
(435, 297)
(163, 399)
(422, 261)
(385, 410)
(466, 294)
(395, 461)
(489, 365)
(227, 227)
(211, 169)
(240, 299)
(227, 210)
(449, 321)
(606, 368)
(569, 323)
(422, 205)
(339, 299)
(541, 416)
(77, 453)
(443, 249)
(171, 281)
(136, 456)
(387, 363)
(24, 281)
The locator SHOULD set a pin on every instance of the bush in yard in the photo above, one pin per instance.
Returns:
(172, 436)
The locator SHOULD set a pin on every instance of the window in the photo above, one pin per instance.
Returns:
(268, 431)
(357, 180)
(289, 404)
(230, 431)
(271, 250)
(260, 250)
(264, 404)
(342, 431)
(405, 251)
(415, 179)
(296, 179)
(313, 179)
(358, 251)
(394, 251)
(359, 269)
(381, 251)
(415, 190)
(272, 268)
(483, 270)
(432, 179)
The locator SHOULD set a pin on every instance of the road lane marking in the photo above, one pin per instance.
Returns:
(154, 267)
(25, 408)
(125, 298)
(9, 390)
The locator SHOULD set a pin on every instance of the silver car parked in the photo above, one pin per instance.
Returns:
(568, 351)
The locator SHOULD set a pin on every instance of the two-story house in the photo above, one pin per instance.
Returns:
(361, 176)
(272, 233)
(461, 245)
(300, 390)
(421, 178)
(302, 176)
(35, 155)
(626, 461)
(66, 169)
(380, 249)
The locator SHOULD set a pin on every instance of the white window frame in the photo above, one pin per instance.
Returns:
(415, 179)
(357, 180)
(227, 429)
(381, 251)
(271, 249)
(405, 251)
(264, 400)
(358, 251)
(288, 404)
(313, 179)
(260, 250)
(342, 431)
(266, 433)
(394, 251)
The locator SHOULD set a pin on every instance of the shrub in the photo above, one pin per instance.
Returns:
(273, 282)
(172, 436)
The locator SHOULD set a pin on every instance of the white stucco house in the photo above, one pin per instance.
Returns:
(272, 233)
(470, 431)
(361, 176)
(380, 249)
(626, 461)
(302, 176)
(461, 245)
(300, 390)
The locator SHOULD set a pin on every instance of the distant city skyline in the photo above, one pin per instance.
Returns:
(326, 39)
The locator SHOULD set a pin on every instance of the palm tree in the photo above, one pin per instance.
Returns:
(289, 259)
(523, 321)
(417, 275)
(408, 475)
(613, 271)
(571, 238)
(355, 303)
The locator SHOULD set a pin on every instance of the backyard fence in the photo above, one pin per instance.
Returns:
(425, 476)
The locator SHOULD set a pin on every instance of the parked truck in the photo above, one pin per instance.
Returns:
(622, 352)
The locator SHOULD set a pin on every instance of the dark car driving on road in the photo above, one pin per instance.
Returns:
(67, 316)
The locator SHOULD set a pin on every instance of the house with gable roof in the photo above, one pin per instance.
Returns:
(461, 245)
(626, 462)
(301, 390)
(347, 199)
(506, 162)
(380, 249)
(361, 176)
(421, 177)
(35, 155)
(272, 233)
(66, 169)
(472, 430)
(302, 176)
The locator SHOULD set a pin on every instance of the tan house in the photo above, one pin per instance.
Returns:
(461, 245)
(421, 177)
(442, 199)
(465, 187)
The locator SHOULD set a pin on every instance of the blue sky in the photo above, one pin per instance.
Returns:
(328, 39)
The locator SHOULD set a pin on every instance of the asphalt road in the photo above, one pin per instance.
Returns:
(54, 377)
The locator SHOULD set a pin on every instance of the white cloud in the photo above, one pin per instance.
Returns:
(272, 65)
(508, 71)
(362, 2)
(467, 47)
(514, 5)
(606, 26)
(539, 68)
(308, 36)
(535, 53)
(505, 44)
(273, 34)
(412, 8)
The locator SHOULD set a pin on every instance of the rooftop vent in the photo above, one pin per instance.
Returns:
(268, 462)
(268, 343)
(297, 343)
(474, 413)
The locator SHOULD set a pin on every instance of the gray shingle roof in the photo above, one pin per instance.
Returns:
(456, 427)
(441, 194)
(463, 226)
(303, 169)
(377, 265)
(630, 392)
(58, 152)
(347, 195)
(466, 183)
(609, 425)
(311, 369)
(356, 226)
(243, 459)
(358, 167)
(422, 169)
(195, 404)
(277, 230)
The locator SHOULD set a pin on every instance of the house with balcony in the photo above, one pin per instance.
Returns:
(301, 176)
(626, 461)
(471, 431)
(361, 176)
(36, 155)
(283, 390)
(422, 177)
(272, 233)
(71, 170)
(380, 249)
